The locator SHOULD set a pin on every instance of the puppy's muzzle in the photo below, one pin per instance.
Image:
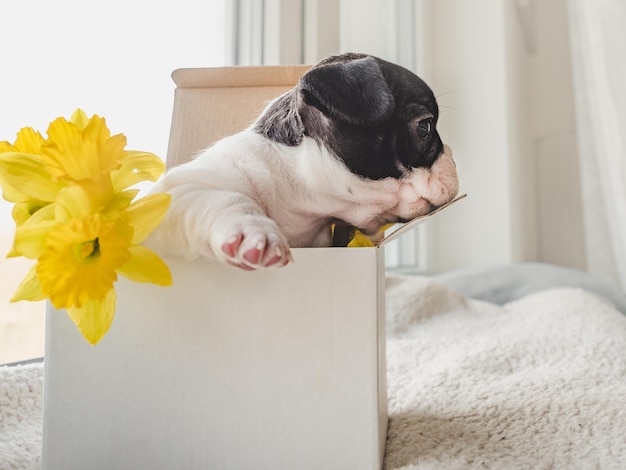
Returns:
(425, 189)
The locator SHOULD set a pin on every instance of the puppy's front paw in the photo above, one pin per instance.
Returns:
(253, 246)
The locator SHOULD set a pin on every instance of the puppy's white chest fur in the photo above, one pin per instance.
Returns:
(303, 189)
(246, 183)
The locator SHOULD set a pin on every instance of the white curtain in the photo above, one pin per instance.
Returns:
(598, 49)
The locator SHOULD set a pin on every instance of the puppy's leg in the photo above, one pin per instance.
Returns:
(248, 239)
(220, 224)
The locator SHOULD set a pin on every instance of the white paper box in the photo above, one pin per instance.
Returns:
(227, 369)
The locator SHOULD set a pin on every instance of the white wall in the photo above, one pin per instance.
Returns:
(553, 121)
(502, 73)
(469, 75)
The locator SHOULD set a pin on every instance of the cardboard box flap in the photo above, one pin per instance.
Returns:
(415, 222)
(213, 103)
(239, 76)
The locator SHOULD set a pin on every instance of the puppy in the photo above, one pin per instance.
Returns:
(355, 142)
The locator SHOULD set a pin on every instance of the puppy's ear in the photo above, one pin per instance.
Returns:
(354, 91)
(280, 122)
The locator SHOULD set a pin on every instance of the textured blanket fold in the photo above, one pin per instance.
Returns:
(539, 383)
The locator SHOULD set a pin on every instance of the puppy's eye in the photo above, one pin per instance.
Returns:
(424, 127)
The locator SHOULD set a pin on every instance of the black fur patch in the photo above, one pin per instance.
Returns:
(281, 121)
(354, 92)
(367, 111)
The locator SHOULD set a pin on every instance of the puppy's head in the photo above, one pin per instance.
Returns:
(377, 117)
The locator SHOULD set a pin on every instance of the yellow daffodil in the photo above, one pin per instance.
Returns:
(64, 152)
(30, 236)
(109, 170)
(345, 235)
(360, 240)
(78, 219)
(94, 318)
(80, 258)
(78, 262)
(23, 177)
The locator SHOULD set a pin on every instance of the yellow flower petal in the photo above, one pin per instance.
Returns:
(120, 202)
(360, 240)
(145, 214)
(84, 198)
(79, 118)
(29, 288)
(29, 141)
(80, 259)
(6, 147)
(100, 191)
(73, 202)
(146, 266)
(76, 154)
(30, 237)
(136, 167)
(30, 240)
(22, 211)
(23, 177)
(94, 317)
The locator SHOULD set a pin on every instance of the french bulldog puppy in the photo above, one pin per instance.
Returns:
(355, 142)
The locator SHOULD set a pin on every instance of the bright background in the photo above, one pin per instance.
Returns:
(110, 58)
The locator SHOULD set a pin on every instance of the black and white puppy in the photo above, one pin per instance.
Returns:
(354, 142)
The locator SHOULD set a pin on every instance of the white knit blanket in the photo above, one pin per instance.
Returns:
(537, 384)
(21, 403)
